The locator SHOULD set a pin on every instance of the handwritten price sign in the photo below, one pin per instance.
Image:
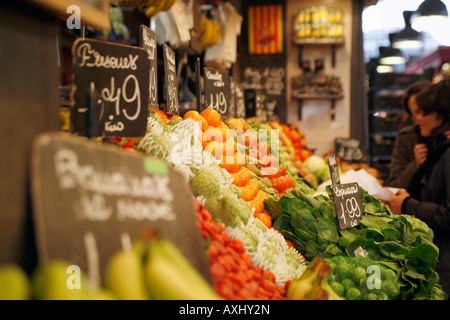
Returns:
(110, 92)
(217, 91)
(149, 43)
(170, 80)
(89, 197)
(348, 204)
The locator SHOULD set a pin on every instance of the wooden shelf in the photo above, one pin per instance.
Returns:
(333, 43)
(317, 96)
(319, 42)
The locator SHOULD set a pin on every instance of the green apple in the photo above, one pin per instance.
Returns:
(15, 284)
(58, 280)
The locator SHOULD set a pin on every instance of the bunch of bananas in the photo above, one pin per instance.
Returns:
(151, 268)
(313, 284)
(151, 7)
(210, 32)
(156, 269)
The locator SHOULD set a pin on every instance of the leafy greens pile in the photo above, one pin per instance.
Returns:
(400, 242)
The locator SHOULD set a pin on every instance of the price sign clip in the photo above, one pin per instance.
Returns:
(346, 198)
(334, 172)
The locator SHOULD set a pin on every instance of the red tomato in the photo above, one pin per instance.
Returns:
(129, 143)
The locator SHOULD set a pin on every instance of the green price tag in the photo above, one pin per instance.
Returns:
(155, 166)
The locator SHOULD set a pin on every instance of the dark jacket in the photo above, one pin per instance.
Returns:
(430, 202)
(403, 163)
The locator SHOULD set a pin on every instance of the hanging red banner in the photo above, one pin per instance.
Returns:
(265, 25)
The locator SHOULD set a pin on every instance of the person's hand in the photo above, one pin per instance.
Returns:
(420, 153)
(447, 133)
(397, 201)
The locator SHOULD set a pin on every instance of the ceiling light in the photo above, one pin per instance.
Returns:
(385, 68)
(408, 38)
(391, 56)
(429, 16)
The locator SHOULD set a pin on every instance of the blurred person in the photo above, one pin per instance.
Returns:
(428, 194)
(410, 148)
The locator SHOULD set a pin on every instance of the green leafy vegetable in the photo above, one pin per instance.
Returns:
(400, 243)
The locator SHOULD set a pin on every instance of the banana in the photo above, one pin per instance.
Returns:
(203, 23)
(301, 289)
(321, 289)
(170, 276)
(306, 286)
(217, 33)
(209, 34)
(317, 293)
(151, 11)
(124, 275)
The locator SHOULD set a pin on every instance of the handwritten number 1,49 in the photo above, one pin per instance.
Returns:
(111, 95)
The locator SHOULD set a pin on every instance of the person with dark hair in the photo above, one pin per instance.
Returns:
(428, 194)
(409, 149)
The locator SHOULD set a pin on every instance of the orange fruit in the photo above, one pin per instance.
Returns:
(304, 154)
(274, 172)
(211, 116)
(258, 202)
(193, 114)
(249, 190)
(241, 177)
(226, 133)
(270, 161)
(175, 118)
(162, 115)
(229, 147)
(235, 124)
(215, 148)
(264, 218)
(214, 134)
(219, 149)
(232, 163)
(251, 138)
(283, 183)
(302, 143)
(202, 138)
(264, 149)
(290, 244)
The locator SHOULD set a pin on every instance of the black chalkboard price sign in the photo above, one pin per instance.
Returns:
(87, 198)
(170, 80)
(232, 100)
(240, 101)
(348, 204)
(110, 89)
(149, 43)
(270, 81)
(217, 91)
(346, 197)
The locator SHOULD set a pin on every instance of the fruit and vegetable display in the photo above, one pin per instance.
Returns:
(266, 232)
